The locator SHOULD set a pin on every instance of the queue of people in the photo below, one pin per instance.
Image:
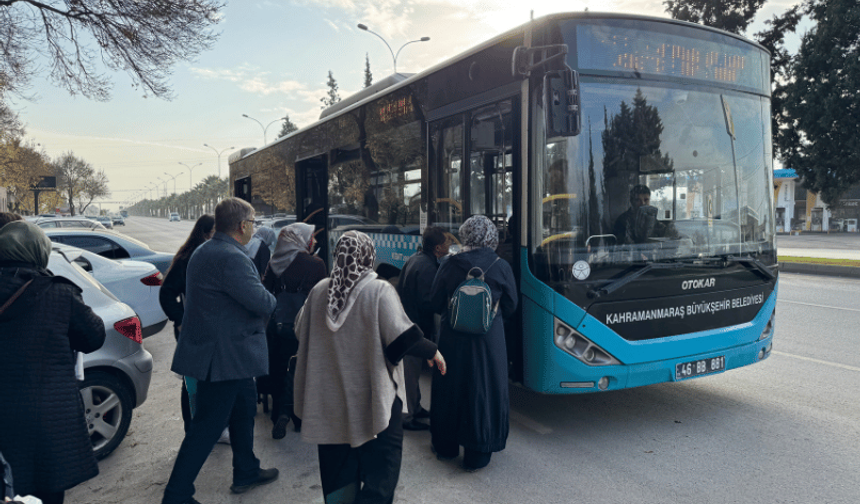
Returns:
(376, 335)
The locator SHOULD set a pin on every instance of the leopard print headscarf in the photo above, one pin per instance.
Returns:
(477, 232)
(354, 258)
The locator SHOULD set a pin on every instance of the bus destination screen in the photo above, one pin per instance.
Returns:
(715, 59)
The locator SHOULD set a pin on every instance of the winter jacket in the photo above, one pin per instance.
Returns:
(43, 432)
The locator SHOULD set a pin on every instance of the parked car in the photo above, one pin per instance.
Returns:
(118, 220)
(174, 217)
(67, 222)
(135, 283)
(111, 245)
(116, 376)
(105, 221)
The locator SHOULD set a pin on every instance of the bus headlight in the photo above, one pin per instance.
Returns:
(768, 329)
(574, 343)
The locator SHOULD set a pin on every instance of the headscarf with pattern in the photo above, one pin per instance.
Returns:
(477, 232)
(354, 257)
(292, 239)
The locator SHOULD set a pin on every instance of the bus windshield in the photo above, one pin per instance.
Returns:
(659, 174)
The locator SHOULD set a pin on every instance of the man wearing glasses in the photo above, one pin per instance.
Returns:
(223, 346)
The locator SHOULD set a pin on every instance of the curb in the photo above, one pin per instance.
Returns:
(819, 269)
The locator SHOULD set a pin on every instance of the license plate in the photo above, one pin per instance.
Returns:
(699, 367)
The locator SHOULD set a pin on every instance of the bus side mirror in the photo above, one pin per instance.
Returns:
(564, 113)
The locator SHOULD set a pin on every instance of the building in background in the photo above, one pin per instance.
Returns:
(800, 210)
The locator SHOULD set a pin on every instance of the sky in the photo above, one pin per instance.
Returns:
(272, 58)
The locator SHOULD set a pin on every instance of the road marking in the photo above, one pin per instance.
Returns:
(818, 361)
(819, 306)
(529, 423)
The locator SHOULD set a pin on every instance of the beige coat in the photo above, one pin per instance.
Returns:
(344, 385)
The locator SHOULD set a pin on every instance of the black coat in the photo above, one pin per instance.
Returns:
(43, 433)
(470, 404)
(301, 275)
(173, 291)
(414, 289)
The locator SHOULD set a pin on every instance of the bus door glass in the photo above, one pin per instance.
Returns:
(313, 183)
(491, 169)
(446, 140)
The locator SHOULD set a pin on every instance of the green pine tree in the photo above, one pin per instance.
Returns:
(368, 77)
(332, 95)
(288, 126)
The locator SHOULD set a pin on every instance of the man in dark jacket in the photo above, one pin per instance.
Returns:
(414, 289)
(223, 345)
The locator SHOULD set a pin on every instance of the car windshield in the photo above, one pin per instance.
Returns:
(658, 174)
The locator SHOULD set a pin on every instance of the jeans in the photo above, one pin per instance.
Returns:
(230, 403)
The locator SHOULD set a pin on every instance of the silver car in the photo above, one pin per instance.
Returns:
(67, 222)
(116, 376)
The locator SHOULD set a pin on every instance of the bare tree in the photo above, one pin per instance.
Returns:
(80, 39)
(79, 182)
(92, 187)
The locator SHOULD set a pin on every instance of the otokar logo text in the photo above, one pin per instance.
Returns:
(699, 283)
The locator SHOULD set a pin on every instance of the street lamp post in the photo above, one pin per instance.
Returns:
(219, 156)
(172, 177)
(393, 55)
(190, 183)
(165, 185)
(265, 128)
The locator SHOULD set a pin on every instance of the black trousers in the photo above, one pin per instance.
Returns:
(411, 374)
(50, 497)
(230, 403)
(366, 474)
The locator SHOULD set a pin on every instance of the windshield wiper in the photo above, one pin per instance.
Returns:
(625, 279)
(753, 264)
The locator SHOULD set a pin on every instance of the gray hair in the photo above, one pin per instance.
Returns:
(230, 213)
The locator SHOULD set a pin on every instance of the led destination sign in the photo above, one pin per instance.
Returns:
(614, 48)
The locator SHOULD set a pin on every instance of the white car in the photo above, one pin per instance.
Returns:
(135, 283)
(116, 376)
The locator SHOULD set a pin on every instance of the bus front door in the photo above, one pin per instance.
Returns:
(312, 178)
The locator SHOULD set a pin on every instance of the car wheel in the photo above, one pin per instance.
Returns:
(107, 406)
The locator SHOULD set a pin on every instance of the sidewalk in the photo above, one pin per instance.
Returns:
(828, 246)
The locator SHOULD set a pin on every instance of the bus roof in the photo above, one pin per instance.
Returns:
(397, 81)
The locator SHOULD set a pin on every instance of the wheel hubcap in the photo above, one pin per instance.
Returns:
(103, 414)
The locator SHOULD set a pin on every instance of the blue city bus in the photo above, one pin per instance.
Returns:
(626, 161)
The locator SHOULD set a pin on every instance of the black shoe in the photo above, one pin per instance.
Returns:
(279, 431)
(264, 476)
(422, 413)
(444, 458)
(415, 425)
(191, 500)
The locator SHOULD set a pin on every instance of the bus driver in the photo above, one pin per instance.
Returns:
(640, 222)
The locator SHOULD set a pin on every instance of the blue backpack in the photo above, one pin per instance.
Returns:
(471, 309)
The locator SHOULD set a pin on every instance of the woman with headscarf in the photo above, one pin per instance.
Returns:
(261, 247)
(470, 405)
(171, 296)
(43, 430)
(291, 269)
(349, 385)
